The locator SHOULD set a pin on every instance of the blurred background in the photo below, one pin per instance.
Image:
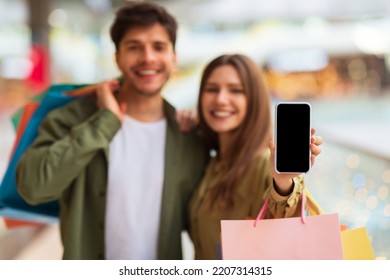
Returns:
(333, 54)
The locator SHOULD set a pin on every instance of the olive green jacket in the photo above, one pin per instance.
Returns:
(69, 161)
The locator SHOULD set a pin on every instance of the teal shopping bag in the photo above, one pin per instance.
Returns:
(11, 203)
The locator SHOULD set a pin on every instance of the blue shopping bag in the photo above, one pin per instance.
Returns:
(11, 203)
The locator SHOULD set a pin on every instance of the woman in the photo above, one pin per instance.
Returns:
(235, 120)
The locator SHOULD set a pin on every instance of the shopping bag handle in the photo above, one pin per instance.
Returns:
(82, 91)
(312, 205)
(264, 208)
(86, 90)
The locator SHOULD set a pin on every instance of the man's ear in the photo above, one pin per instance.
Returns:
(118, 61)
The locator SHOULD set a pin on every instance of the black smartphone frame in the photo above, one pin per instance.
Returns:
(292, 137)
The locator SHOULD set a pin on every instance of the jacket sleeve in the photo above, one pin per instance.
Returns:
(63, 148)
(286, 206)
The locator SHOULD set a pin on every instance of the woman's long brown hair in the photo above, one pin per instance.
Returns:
(252, 135)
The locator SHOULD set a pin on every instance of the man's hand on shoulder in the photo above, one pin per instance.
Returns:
(106, 99)
(187, 119)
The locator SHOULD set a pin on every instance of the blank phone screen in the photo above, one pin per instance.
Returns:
(292, 152)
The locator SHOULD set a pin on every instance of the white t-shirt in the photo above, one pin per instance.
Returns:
(134, 192)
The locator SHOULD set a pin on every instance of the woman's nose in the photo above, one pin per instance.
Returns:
(222, 96)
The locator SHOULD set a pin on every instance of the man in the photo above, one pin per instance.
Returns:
(118, 163)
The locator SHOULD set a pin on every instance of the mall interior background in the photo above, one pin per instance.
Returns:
(333, 54)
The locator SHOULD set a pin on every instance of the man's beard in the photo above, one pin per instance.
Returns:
(148, 93)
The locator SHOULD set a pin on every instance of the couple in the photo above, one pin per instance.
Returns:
(129, 181)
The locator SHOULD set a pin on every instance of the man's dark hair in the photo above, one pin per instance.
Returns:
(141, 14)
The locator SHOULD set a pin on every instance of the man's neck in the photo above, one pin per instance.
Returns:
(143, 108)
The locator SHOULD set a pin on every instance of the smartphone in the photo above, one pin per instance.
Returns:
(292, 137)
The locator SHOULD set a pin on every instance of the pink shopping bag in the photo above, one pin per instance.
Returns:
(298, 238)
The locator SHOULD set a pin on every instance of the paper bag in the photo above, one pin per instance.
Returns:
(298, 238)
(355, 242)
(9, 196)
